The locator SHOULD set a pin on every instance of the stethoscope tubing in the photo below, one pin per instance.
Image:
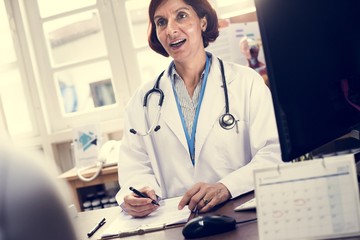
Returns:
(228, 124)
(227, 107)
(151, 91)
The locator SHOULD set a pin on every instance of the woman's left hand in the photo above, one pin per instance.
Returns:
(204, 196)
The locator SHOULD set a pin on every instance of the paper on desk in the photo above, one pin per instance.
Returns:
(166, 214)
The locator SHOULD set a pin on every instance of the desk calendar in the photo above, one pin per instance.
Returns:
(315, 199)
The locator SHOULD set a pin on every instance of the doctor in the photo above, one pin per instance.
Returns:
(197, 152)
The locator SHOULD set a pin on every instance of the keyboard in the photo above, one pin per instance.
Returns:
(249, 205)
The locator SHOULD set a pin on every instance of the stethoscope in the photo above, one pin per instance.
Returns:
(227, 120)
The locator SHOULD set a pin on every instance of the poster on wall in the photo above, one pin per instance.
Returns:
(86, 145)
(241, 43)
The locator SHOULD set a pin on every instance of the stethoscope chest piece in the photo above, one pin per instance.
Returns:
(227, 121)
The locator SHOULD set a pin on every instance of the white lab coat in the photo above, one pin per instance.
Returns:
(220, 155)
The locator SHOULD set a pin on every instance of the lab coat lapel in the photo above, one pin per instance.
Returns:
(170, 113)
(213, 106)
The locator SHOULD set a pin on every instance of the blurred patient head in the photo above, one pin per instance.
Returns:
(31, 206)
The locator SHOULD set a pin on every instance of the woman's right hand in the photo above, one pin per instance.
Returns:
(137, 206)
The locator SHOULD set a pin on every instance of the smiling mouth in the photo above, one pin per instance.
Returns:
(178, 43)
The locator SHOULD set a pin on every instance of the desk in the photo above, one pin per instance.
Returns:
(107, 175)
(249, 231)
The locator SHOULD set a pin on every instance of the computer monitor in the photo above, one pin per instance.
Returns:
(312, 53)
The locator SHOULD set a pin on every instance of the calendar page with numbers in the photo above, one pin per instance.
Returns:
(315, 199)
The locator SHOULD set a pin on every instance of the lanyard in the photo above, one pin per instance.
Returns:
(191, 139)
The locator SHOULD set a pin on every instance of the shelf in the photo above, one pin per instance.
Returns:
(107, 175)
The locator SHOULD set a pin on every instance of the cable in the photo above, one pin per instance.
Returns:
(99, 166)
(246, 221)
(108, 150)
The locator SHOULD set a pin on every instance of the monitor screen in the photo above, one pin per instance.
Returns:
(312, 53)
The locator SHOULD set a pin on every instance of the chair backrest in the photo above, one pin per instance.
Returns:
(2, 199)
(31, 206)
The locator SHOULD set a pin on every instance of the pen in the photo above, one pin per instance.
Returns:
(140, 194)
(194, 213)
(101, 223)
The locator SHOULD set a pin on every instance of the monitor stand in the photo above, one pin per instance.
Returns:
(355, 133)
(349, 143)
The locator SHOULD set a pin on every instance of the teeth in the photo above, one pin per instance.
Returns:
(177, 42)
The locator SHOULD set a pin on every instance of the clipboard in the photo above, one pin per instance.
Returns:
(141, 230)
(315, 199)
(166, 216)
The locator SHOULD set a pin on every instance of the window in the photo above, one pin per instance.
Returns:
(74, 38)
(137, 14)
(14, 99)
(63, 68)
(75, 86)
(231, 8)
(82, 49)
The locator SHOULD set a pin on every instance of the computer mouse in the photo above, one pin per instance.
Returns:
(203, 226)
